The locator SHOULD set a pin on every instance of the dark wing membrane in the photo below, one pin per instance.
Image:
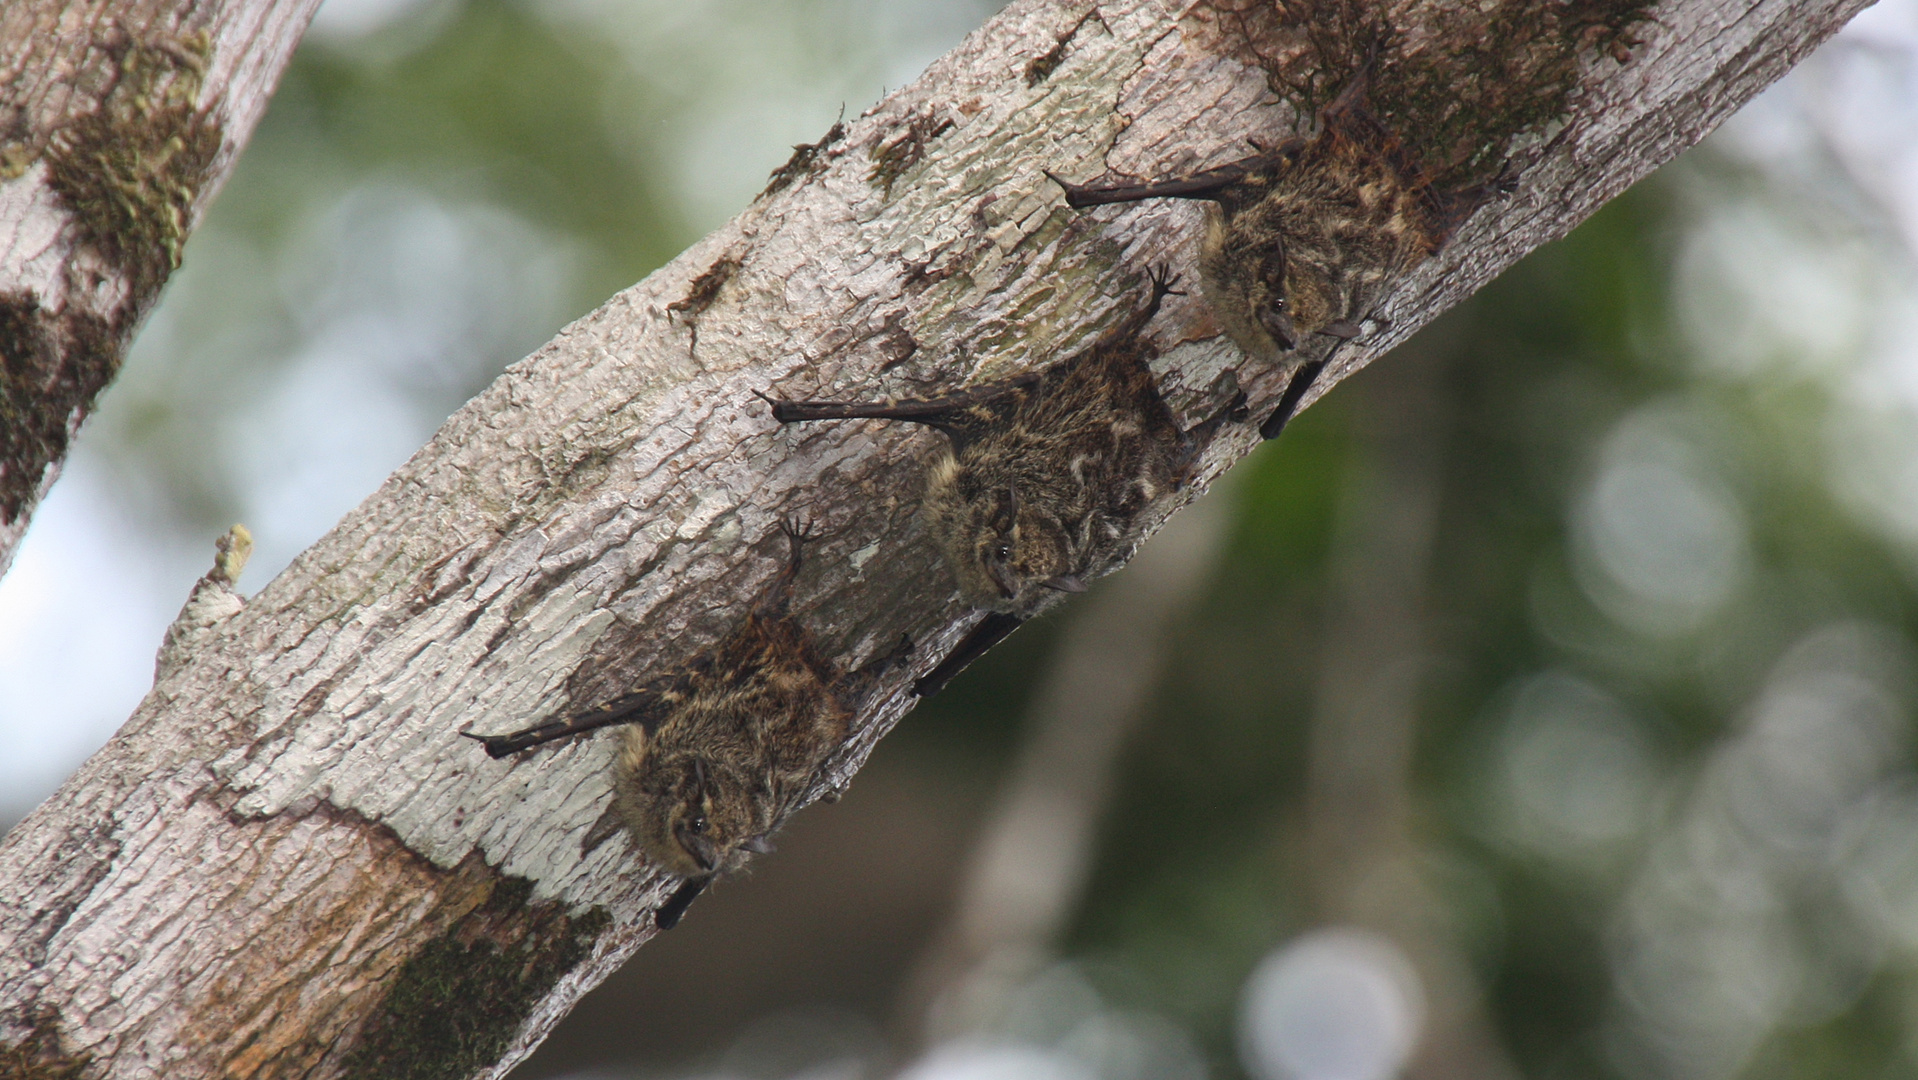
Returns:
(646, 707)
(961, 415)
(1205, 185)
(675, 906)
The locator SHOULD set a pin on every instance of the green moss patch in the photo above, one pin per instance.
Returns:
(129, 172)
(51, 369)
(456, 1005)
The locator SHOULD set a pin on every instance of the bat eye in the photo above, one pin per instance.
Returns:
(1002, 552)
(697, 824)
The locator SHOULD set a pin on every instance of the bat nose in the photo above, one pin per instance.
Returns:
(703, 852)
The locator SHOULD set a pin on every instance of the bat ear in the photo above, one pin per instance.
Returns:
(603, 830)
(1006, 513)
(1069, 583)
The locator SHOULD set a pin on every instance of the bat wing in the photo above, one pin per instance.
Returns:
(1206, 185)
(646, 707)
(961, 415)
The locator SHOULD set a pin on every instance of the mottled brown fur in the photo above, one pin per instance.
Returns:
(745, 733)
(717, 753)
(1303, 239)
(1044, 482)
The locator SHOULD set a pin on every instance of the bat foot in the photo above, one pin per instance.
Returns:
(799, 530)
(903, 649)
(896, 656)
(1274, 425)
(669, 913)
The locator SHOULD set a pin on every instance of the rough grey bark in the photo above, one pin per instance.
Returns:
(119, 119)
(288, 863)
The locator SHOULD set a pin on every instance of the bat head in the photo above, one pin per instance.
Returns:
(691, 813)
(1004, 552)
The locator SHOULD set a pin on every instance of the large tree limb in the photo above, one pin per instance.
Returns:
(119, 119)
(288, 862)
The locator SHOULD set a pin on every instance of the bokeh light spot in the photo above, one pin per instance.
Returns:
(1333, 1005)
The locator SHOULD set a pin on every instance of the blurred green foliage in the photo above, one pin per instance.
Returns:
(499, 105)
(1198, 873)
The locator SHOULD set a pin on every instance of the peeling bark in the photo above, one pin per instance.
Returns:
(118, 121)
(240, 882)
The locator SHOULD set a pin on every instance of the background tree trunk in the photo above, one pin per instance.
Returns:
(1028, 869)
(1367, 850)
(288, 862)
(119, 119)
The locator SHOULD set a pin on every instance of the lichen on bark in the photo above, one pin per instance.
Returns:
(50, 367)
(128, 175)
(607, 479)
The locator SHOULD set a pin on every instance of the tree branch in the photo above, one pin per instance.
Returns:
(289, 863)
(119, 119)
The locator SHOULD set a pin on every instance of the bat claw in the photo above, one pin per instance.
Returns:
(781, 408)
(497, 746)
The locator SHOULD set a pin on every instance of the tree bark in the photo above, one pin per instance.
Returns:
(119, 119)
(288, 863)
